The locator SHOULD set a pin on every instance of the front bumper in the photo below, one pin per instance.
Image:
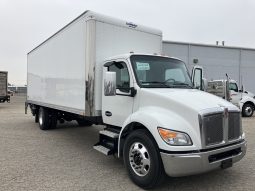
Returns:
(177, 165)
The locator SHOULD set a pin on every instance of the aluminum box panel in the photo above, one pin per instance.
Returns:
(65, 71)
(56, 69)
(112, 40)
(3, 83)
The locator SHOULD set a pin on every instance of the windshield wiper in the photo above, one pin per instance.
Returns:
(183, 84)
(173, 85)
(156, 82)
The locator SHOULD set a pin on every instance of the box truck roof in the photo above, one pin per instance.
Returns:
(87, 15)
(126, 56)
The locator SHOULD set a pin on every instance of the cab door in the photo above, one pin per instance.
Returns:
(117, 108)
(235, 96)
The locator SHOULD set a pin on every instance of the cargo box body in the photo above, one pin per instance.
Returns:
(4, 97)
(65, 71)
(3, 84)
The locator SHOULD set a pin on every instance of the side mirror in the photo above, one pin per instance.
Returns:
(197, 75)
(110, 84)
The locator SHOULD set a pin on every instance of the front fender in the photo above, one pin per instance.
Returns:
(153, 117)
(246, 99)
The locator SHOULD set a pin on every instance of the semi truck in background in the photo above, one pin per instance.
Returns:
(229, 90)
(4, 96)
(101, 70)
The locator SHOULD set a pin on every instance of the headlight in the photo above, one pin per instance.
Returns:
(174, 138)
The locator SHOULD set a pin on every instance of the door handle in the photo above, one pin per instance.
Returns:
(108, 113)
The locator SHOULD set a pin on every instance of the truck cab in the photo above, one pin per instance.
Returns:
(159, 123)
(229, 90)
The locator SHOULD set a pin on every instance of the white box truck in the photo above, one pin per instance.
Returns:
(4, 97)
(100, 70)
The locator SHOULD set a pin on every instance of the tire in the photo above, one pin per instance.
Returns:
(47, 119)
(247, 110)
(82, 122)
(37, 117)
(142, 159)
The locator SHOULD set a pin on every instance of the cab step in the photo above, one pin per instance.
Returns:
(108, 141)
(109, 134)
(102, 149)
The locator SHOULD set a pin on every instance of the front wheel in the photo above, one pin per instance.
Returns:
(247, 110)
(142, 159)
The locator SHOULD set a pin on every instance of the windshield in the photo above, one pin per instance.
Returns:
(233, 86)
(160, 72)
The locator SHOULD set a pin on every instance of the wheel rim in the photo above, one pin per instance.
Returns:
(248, 110)
(139, 159)
(40, 118)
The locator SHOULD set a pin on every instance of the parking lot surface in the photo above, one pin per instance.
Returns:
(63, 159)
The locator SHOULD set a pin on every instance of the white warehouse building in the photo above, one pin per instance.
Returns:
(237, 62)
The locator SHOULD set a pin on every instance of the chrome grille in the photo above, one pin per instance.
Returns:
(234, 126)
(213, 129)
(220, 128)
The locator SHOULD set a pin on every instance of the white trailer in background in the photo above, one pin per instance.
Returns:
(100, 70)
(4, 97)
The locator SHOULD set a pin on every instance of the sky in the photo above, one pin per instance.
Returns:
(26, 23)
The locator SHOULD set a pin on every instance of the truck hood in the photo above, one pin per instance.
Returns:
(247, 93)
(178, 110)
(184, 99)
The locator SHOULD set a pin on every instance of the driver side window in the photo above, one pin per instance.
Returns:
(122, 76)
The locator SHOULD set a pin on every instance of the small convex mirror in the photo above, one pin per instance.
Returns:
(110, 84)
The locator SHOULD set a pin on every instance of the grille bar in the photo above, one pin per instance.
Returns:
(234, 126)
(213, 129)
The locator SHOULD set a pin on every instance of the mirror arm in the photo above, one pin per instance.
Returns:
(132, 90)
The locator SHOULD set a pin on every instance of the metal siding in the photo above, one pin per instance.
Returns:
(216, 62)
(247, 72)
(239, 63)
(177, 50)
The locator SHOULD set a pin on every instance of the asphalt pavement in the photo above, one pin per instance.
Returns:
(63, 159)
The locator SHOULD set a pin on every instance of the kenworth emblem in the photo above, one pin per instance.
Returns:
(226, 112)
(131, 25)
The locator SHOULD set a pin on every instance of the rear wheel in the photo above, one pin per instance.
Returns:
(37, 117)
(247, 110)
(142, 159)
(47, 119)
